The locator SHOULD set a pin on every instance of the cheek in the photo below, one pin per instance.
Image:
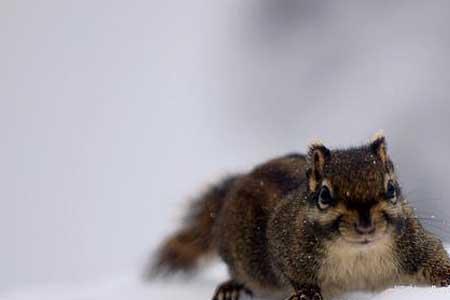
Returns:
(385, 210)
(380, 213)
(324, 224)
(335, 219)
(329, 216)
(387, 215)
(349, 217)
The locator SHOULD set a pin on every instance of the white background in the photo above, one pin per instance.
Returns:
(113, 113)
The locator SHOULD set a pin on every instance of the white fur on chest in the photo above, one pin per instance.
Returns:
(349, 267)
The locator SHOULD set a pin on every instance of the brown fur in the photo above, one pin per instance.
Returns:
(183, 250)
(275, 238)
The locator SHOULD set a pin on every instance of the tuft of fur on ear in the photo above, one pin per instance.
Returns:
(318, 156)
(379, 147)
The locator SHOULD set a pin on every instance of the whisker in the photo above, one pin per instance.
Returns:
(420, 201)
(442, 226)
(432, 219)
(421, 212)
(435, 228)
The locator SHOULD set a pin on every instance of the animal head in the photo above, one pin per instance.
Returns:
(354, 192)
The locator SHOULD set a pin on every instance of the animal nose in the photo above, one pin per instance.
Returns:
(364, 228)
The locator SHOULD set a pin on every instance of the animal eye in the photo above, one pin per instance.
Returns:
(324, 200)
(391, 191)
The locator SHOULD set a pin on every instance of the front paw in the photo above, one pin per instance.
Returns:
(230, 290)
(441, 278)
(307, 293)
(444, 282)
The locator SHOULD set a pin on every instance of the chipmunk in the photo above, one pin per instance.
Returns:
(310, 226)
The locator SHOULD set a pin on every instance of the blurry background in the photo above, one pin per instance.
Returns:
(114, 113)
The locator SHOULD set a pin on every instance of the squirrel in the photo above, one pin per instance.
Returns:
(311, 226)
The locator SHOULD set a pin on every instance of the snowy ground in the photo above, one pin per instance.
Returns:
(197, 288)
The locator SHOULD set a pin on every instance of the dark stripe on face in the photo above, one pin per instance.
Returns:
(398, 222)
(326, 231)
(365, 219)
(364, 212)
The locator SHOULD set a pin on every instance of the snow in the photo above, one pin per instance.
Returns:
(199, 287)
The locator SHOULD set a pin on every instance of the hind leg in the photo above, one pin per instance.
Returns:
(230, 290)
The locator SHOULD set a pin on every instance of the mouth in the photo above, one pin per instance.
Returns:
(365, 240)
(362, 242)
(381, 232)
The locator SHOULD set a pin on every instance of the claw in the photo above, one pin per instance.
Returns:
(307, 293)
(230, 290)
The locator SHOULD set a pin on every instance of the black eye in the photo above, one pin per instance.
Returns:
(324, 199)
(391, 191)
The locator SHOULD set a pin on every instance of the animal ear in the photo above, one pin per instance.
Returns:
(318, 156)
(379, 147)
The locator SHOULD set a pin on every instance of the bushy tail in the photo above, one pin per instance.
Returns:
(182, 250)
